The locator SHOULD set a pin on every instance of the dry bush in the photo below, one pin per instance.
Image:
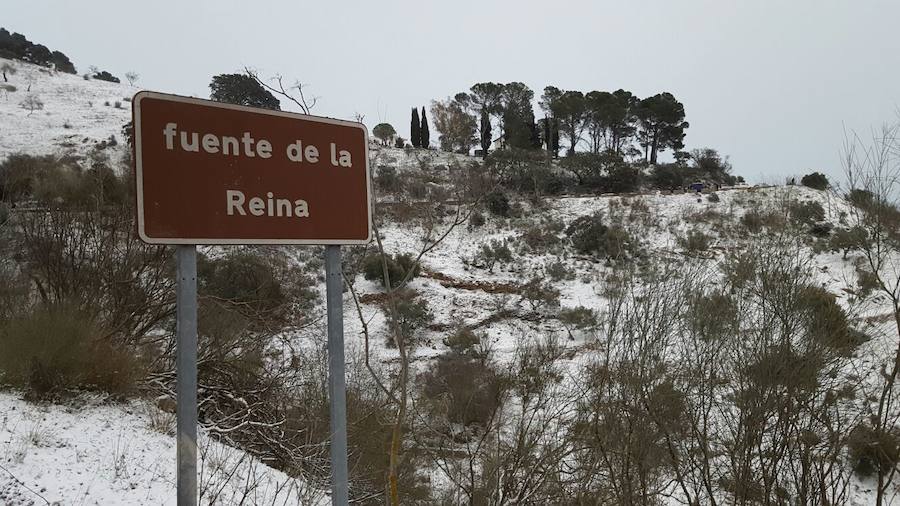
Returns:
(56, 350)
(80, 258)
(401, 268)
(464, 389)
(696, 241)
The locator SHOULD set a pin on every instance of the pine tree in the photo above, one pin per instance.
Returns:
(425, 133)
(415, 134)
(485, 133)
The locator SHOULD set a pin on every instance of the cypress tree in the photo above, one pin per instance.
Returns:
(425, 134)
(485, 133)
(415, 134)
(554, 137)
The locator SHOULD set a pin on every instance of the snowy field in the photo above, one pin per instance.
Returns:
(93, 453)
(75, 117)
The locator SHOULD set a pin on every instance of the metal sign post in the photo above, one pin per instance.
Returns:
(186, 373)
(213, 173)
(337, 392)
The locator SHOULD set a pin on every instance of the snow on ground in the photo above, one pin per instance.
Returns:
(95, 453)
(100, 453)
(77, 114)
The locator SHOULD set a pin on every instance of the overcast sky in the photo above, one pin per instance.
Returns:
(772, 84)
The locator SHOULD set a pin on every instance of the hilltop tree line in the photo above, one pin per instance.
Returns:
(501, 115)
(15, 46)
(610, 137)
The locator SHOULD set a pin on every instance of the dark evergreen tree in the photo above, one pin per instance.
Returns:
(16, 47)
(103, 75)
(415, 129)
(425, 133)
(485, 133)
(38, 54)
(62, 62)
(662, 125)
(535, 132)
(241, 89)
(550, 135)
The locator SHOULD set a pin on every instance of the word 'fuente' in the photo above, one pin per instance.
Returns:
(246, 145)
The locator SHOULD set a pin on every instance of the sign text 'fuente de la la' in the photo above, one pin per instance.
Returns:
(214, 173)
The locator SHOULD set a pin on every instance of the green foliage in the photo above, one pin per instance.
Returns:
(541, 237)
(424, 132)
(465, 390)
(559, 271)
(489, 254)
(103, 75)
(604, 172)
(623, 178)
(398, 267)
(476, 219)
(260, 284)
(52, 350)
(862, 199)
(497, 203)
(713, 197)
(578, 318)
(387, 180)
(815, 180)
(590, 236)
(708, 165)
(241, 89)
(586, 233)
(415, 129)
(59, 182)
(661, 124)
(610, 120)
(567, 107)
(464, 341)
(384, 132)
(696, 241)
(668, 176)
(806, 213)
(456, 126)
(412, 314)
(485, 139)
(827, 322)
(16, 46)
(755, 221)
(540, 294)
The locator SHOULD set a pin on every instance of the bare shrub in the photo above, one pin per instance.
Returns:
(466, 390)
(32, 103)
(53, 350)
(696, 241)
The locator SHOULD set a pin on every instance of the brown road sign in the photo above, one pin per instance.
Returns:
(214, 173)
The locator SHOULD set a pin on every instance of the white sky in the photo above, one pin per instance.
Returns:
(772, 84)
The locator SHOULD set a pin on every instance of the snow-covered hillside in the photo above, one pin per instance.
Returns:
(76, 114)
(93, 452)
(90, 452)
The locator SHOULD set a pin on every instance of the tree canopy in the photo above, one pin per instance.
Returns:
(17, 47)
(384, 132)
(241, 89)
(661, 124)
(455, 126)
